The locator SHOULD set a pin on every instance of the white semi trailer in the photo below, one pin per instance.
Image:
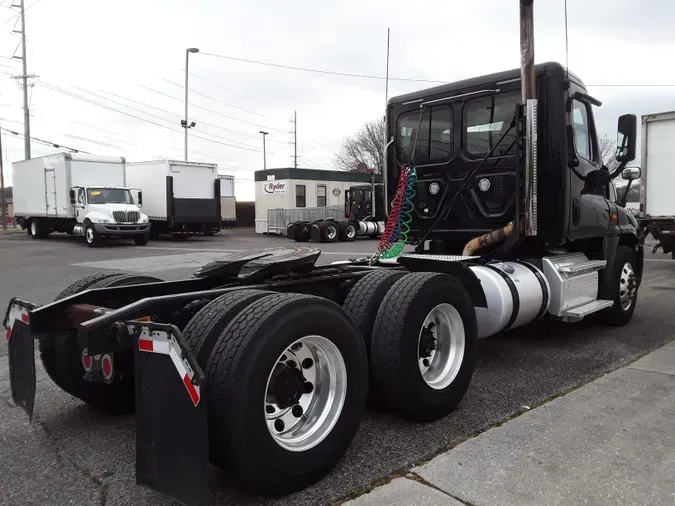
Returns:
(77, 194)
(181, 198)
(658, 179)
(228, 202)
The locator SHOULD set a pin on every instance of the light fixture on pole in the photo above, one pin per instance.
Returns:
(185, 123)
(264, 150)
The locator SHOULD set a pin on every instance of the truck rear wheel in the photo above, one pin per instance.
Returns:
(39, 228)
(365, 297)
(424, 346)
(62, 358)
(204, 329)
(287, 383)
(329, 231)
(623, 288)
(347, 231)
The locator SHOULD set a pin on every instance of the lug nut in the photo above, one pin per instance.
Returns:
(309, 388)
(307, 363)
(279, 425)
(283, 358)
(269, 409)
(291, 363)
(296, 346)
(297, 411)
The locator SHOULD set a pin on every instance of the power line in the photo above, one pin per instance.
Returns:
(318, 71)
(180, 116)
(155, 116)
(232, 91)
(209, 110)
(93, 102)
(366, 76)
(42, 141)
(219, 101)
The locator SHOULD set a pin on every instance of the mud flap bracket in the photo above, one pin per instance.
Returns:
(172, 452)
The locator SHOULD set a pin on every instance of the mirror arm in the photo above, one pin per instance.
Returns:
(622, 203)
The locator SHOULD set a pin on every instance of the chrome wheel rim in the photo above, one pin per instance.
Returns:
(89, 234)
(440, 346)
(351, 231)
(627, 287)
(305, 393)
(331, 232)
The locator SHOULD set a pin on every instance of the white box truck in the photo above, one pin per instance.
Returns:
(77, 194)
(228, 202)
(181, 198)
(658, 179)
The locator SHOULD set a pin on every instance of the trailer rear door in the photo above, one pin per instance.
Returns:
(659, 165)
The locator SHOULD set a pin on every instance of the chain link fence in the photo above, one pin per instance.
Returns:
(279, 218)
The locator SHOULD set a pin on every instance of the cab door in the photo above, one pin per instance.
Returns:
(590, 209)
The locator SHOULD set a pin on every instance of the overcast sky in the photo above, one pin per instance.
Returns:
(129, 57)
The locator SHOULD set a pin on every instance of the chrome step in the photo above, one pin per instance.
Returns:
(579, 312)
(577, 267)
(438, 258)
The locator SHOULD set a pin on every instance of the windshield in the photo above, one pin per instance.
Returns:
(109, 196)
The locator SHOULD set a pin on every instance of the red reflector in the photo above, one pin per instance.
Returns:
(145, 345)
(8, 332)
(24, 318)
(107, 366)
(191, 390)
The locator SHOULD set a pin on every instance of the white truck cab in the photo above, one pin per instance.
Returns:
(78, 194)
(109, 211)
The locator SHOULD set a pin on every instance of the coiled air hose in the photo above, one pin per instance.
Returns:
(395, 236)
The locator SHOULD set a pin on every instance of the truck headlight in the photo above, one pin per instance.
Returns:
(144, 219)
(99, 220)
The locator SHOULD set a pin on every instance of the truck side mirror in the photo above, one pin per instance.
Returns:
(626, 138)
(631, 173)
(72, 197)
(140, 199)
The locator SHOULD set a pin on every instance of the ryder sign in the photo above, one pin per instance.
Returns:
(274, 187)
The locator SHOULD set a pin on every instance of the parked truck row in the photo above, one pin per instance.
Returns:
(99, 197)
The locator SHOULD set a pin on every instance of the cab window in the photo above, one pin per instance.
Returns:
(434, 139)
(583, 138)
(485, 121)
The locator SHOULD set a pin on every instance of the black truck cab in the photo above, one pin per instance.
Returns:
(448, 131)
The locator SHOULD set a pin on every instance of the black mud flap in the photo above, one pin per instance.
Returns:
(172, 451)
(21, 347)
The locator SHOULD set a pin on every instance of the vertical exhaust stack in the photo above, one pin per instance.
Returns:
(529, 98)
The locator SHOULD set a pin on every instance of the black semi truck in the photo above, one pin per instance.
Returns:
(499, 214)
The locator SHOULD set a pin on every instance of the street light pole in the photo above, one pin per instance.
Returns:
(185, 123)
(264, 150)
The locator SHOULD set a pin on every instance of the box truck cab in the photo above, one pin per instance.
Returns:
(79, 195)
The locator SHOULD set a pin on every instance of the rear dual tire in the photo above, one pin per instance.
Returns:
(254, 391)
(422, 335)
(62, 359)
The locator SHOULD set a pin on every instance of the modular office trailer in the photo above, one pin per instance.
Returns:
(301, 188)
(180, 198)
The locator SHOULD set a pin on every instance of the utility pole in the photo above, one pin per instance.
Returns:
(3, 204)
(295, 139)
(264, 150)
(24, 78)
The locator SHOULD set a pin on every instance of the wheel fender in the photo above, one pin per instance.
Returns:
(609, 245)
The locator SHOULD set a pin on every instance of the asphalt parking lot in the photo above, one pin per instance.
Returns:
(73, 455)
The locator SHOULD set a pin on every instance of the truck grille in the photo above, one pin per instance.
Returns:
(126, 216)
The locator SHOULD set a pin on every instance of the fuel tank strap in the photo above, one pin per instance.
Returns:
(544, 287)
(514, 295)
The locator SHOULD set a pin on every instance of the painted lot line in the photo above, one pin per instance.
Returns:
(193, 260)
